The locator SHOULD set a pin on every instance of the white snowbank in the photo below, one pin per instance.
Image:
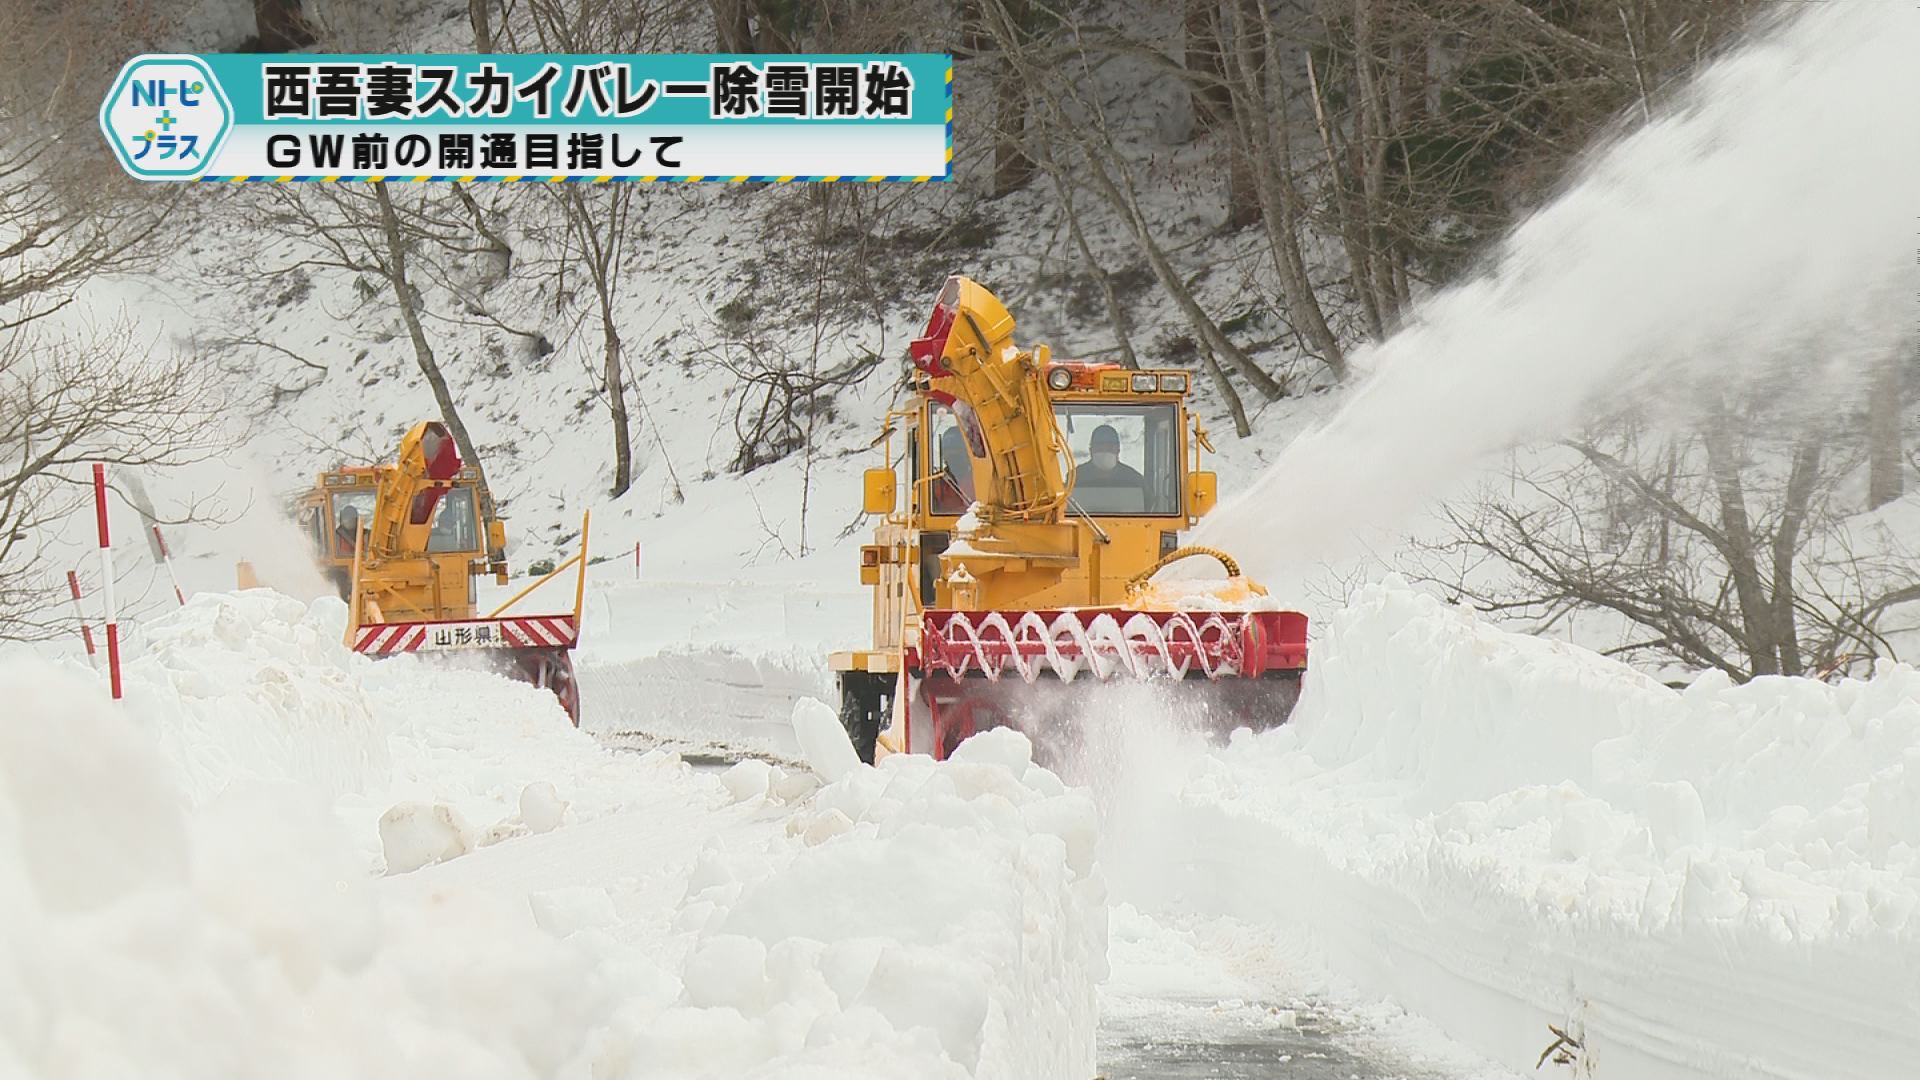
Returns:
(1501, 832)
(241, 937)
(258, 685)
(255, 687)
(945, 914)
(188, 896)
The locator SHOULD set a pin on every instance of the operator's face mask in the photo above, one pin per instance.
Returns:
(1105, 459)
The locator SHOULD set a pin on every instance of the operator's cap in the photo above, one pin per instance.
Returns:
(1105, 438)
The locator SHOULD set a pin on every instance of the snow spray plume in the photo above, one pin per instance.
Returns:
(255, 526)
(1121, 737)
(1771, 205)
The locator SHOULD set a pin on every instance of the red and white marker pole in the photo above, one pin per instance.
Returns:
(86, 631)
(166, 558)
(106, 577)
(636, 560)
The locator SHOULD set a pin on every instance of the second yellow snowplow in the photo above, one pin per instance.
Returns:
(406, 543)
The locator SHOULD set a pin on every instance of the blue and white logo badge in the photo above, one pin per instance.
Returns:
(166, 117)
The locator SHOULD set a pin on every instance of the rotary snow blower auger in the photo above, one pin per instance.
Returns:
(405, 543)
(1042, 497)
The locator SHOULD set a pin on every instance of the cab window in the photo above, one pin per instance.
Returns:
(311, 523)
(352, 511)
(454, 527)
(951, 471)
(1126, 457)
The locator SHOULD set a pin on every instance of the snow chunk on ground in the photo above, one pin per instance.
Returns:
(823, 740)
(413, 835)
(748, 779)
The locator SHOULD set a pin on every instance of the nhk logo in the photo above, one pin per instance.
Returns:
(166, 117)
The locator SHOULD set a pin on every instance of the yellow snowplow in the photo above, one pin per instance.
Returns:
(1025, 519)
(405, 544)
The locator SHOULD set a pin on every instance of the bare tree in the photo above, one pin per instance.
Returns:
(360, 229)
(67, 400)
(1058, 67)
(1720, 544)
(594, 236)
(1262, 117)
(67, 212)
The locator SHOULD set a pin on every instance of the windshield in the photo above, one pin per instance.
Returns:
(951, 492)
(1126, 457)
(453, 527)
(352, 512)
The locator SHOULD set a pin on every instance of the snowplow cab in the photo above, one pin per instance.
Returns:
(1028, 503)
(342, 501)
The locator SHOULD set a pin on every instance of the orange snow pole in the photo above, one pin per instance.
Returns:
(86, 631)
(580, 587)
(106, 577)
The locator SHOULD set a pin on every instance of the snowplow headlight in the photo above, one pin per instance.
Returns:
(1060, 378)
(1146, 384)
(1173, 384)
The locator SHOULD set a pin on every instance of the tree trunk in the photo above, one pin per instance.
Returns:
(482, 25)
(280, 27)
(1371, 117)
(1238, 408)
(1012, 166)
(1750, 592)
(616, 399)
(733, 29)
(1786, 551)
(1885, 459)
(1206, 66)
(396, 268)
(1352, 227)
(1115, 316)
(1243, 195)
(1169, 279)
(1258, 117)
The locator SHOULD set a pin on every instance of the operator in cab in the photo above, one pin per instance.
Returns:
(344, 532)
(1103, 467)
(953, 494)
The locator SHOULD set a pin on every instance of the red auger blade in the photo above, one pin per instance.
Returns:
(1111, 642)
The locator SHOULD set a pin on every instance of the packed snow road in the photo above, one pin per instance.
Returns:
(1223, 1001)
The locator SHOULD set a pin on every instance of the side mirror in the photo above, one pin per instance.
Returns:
(1203, 491)
(879, 493)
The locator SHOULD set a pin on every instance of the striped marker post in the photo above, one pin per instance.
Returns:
(166, 559)
(86, 631)
(106, 577)
(636, 560)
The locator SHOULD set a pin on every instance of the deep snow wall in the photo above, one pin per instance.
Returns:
(1500, 833)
